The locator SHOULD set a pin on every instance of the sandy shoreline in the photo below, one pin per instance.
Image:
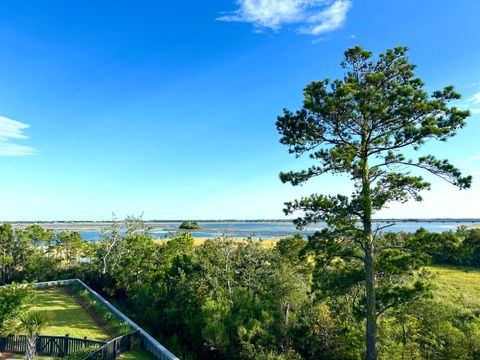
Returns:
(472, 226)
(197, 241)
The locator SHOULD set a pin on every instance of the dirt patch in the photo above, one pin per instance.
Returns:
(9, 356)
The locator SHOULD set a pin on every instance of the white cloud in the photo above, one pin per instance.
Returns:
(312, 17)
(13, 130)
(329, 19)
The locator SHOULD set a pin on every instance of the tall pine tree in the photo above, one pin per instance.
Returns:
(362, 125)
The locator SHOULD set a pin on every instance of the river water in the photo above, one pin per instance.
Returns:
(267, 230)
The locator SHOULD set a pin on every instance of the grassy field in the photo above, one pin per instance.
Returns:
(458, 285)
(68, 317)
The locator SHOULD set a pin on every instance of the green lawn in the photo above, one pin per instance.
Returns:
(68, 317)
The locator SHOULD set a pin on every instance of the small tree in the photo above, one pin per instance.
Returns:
(70, 245)
(110, 249)
(360, 126)
(31, 324)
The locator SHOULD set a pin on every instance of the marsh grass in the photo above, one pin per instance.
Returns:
(458, 286)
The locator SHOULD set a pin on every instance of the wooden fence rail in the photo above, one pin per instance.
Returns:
(112, 349)
(48, 345)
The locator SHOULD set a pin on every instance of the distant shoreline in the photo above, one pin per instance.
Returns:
(473, 226)
(107, 222)
(253, 227)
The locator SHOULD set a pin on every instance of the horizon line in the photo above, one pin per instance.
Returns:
(237, 220)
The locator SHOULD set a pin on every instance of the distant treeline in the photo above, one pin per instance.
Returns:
(427, 220)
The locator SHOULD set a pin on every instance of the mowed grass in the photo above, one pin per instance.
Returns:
(68, 317)
(457, 285)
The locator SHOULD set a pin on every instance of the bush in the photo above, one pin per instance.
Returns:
(187, 225)
(79, 355)
(118, 326)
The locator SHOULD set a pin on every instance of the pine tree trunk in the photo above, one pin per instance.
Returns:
(370, 306)
(371, 313)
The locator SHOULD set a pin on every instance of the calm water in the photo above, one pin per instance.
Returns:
(266, 230)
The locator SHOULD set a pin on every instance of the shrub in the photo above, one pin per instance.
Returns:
(187, 225)
(118, 326)
(80, 354)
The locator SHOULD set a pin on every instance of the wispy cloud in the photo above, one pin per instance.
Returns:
(313, 17)
(474, 157)
(333, 17)
(472, 104)
(475, 99)
(13, 130)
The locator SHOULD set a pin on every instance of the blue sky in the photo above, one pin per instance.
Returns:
(169, 108)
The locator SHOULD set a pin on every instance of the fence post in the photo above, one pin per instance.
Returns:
(65, 345)
(38, 344)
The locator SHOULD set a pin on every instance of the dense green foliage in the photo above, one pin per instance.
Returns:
(363, 126)
(14, 299)
(224, 300)
(80, 354)
(461, 247)
(35, 253)
(189, 225)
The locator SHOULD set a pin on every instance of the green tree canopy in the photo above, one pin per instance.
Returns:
(14, 299)
(189, 225)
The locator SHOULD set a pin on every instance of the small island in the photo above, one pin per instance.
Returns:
(189, 225)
